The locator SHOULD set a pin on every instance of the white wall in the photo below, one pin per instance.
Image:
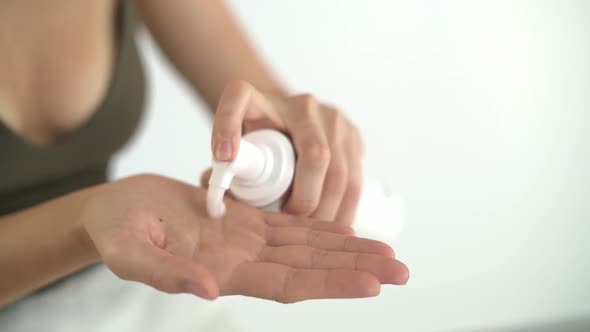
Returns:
(475, 111)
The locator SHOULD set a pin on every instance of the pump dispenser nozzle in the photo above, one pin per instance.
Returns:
(260, 174)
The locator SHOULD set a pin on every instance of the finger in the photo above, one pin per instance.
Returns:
(205, 178)
(237, 99)
(163, 271)
(386, 269)
(337, 174)
(283, 236)
(350, 201)
(285, 284)
(333, 189)
(282, 219)
(313, 153)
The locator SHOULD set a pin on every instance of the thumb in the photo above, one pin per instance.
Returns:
(163, 271)
(229, 116)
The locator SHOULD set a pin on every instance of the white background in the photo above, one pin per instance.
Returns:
(476, 112)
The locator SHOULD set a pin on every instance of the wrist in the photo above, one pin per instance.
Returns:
(51, 242)
(84, 245)
(82, 240)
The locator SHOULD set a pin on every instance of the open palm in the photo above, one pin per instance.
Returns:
(155, 230)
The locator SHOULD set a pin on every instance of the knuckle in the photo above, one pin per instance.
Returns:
(354, 190)
(318, 256)
(304, 206)
(333, 115)
(356, 259)
(313, 237)
(307, 101)
(347, 245)
(338, 172)
(336, 122)
(316, 154)
(337, 180)
(307, 106)
(285, 294)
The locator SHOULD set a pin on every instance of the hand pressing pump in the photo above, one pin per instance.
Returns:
(260, 175)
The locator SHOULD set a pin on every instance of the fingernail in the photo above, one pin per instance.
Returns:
(223, 151)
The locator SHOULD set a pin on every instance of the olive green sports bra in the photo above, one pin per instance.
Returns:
(30, 174)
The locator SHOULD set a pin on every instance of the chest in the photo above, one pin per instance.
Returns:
(55, 65)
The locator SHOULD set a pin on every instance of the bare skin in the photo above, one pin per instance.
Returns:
(52, 75)
(154, 230)
(328, 175)
(167, 241)
(55, 66)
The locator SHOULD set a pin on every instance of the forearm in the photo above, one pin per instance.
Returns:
(42, 244)
(206, 45)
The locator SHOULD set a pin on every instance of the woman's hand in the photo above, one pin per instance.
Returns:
(156, 230)
(328, 175)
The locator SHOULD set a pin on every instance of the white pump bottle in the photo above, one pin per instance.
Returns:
(263, 171)
(260, 175)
